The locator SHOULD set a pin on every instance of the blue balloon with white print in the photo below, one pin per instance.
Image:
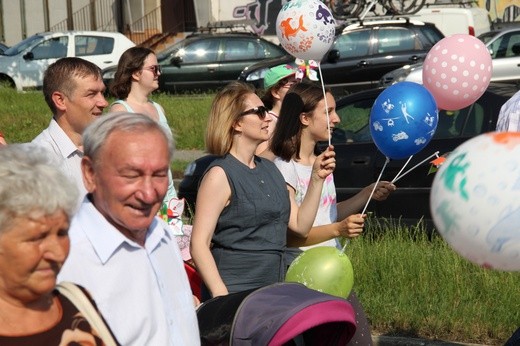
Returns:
(403, 120)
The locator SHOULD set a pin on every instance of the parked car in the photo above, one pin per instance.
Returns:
(362, 53)
(453, 19)
(208, 61)
(22, 66)
(359, 162)
(3, 48)
(503, 45)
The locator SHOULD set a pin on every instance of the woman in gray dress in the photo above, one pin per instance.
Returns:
(243, 207)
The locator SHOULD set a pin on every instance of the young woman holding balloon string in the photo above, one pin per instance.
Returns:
(308, 116)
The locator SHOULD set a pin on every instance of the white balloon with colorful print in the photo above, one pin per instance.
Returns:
(475, 200)
(306, 29)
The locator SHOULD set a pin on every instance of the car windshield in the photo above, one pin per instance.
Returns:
(23, 45)
(432, 34)
(487, 36)
(169, 52)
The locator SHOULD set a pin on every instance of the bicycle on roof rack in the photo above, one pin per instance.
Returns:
(343, 9)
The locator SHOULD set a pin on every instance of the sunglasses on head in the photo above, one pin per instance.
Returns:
(260, 111)
(156, 69)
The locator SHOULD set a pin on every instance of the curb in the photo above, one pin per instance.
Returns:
(381, 340)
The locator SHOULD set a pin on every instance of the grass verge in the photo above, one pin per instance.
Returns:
(412, 283)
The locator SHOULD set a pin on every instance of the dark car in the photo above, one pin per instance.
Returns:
(362, 53)
(209, 61)
(359, 162)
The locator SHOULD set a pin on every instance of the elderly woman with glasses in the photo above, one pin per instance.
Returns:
(243, 207)
(137, 76)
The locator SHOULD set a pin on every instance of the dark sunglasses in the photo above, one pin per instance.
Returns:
(156, 69)
(260, 111)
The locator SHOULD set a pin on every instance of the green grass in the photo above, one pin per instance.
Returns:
(414, 284)
(187, 116)
(408, 283)
(24, 115)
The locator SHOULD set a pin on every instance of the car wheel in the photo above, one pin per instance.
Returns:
(6, 82)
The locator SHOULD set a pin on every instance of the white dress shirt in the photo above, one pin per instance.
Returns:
(509, 116)
(143, 292)
(58, 143)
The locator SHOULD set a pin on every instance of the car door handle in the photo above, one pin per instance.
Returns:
(360, 161)
(362, 63)
(415, 58)
(211, 69)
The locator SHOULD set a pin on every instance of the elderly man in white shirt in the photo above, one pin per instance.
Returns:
(121, 252)
(73, 89)
(509, 116)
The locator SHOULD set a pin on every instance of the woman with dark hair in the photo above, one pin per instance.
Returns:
(137, 76)
(306, 118)
(302, 124)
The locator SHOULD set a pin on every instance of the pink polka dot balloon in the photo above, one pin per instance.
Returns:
(457, 71)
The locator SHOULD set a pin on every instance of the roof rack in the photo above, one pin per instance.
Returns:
(350, 21)
(228, 25)
(453, 3)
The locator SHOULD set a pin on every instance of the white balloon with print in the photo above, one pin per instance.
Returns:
(475, 200)
(306, 29)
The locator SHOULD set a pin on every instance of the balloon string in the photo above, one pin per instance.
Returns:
(325, 98)
(387, 160)
(375, 185)
(414, 167)
(408, 161)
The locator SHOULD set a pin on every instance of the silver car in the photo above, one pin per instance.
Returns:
(503, 45)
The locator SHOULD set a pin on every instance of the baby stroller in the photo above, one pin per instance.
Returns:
(279, 314)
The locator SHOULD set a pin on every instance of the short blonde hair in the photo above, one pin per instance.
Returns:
(225, 110)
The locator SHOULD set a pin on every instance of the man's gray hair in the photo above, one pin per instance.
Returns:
(32, 185)
(96, 134)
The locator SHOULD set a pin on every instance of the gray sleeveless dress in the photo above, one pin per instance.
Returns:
(250, 236)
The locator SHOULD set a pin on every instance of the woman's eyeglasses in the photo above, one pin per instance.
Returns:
(260, 111)
(156, 69)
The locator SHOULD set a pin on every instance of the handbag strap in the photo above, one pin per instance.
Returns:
(73, 293)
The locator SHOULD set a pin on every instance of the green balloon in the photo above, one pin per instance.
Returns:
(325, 269)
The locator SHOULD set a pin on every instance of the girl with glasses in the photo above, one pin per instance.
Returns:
(243, 208)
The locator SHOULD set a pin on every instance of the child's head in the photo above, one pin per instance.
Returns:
(276, 83)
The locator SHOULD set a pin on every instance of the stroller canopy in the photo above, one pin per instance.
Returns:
(276, 315)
